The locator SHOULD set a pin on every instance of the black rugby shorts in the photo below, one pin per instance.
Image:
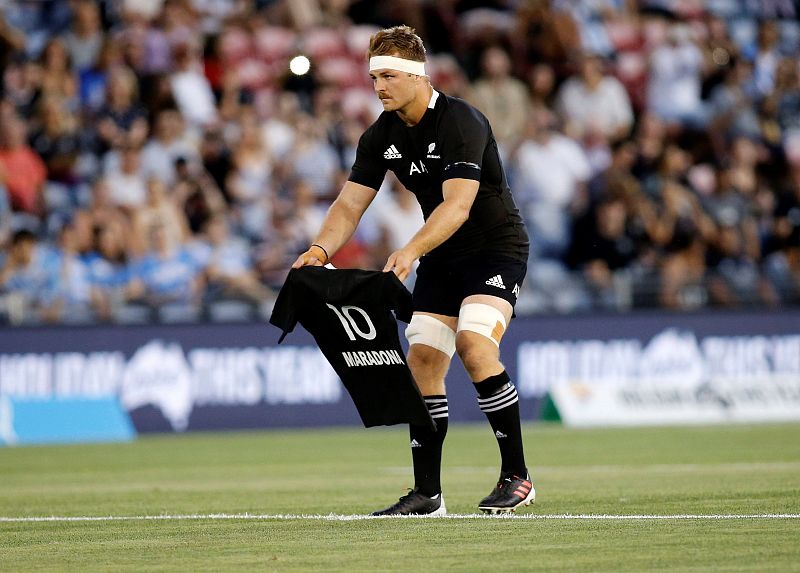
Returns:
(442, 285)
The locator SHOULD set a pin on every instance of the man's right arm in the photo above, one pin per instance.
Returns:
(339, 225)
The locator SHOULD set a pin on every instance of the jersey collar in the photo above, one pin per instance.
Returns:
(434, 97)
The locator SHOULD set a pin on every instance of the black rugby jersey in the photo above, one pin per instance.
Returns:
(348, 312)
(453, 140)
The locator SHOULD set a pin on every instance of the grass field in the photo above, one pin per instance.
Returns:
(293, 484)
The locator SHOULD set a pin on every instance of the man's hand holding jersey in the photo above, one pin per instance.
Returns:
(315, 256)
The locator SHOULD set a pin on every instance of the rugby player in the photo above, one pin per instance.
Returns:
(472, 248)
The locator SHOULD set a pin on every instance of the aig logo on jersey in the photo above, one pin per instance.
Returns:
(414, 169)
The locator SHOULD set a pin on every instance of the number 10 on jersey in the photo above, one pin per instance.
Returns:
(349, 323)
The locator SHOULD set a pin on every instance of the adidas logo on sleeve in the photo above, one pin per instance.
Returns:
(496, 281)
(392, 153)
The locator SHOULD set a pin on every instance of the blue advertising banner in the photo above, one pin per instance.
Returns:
(234, 376)
(63, 420)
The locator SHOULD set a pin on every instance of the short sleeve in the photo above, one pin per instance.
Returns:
(369, 168)
(464, 134)
(400, 298)
(284, 315)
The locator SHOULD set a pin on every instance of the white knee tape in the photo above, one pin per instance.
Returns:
(424, 329)
(482, 319)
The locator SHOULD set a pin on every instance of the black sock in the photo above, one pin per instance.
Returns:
(426, 447)
(497, 398)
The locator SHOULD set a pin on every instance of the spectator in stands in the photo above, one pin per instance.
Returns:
(197, 195)
(23, 85)
(190, 88)
(650, 139)
(551, 173)
(732, 107)
(22, 171)
(58, 142)
(93, 81)
(250, 182)
(168, 275)
(159, 209)
(85, 37)
(601, 247)
(786, 97)
(782, 248)
(545, 32)
(125, 177)
(69, 297)
(682, 231)
(102, 211)
(12, 41)
(594, 102)
(227, 261)
(720, 51)
(306, 210)
(313, 158)
(170, 141)
(278, 128)
(109, 270)
(733, 273)
(766, 56)
(121, 120)
(58, 76)
(617, 178)
(216, 159)
(28, 276)
(502, 98)
(448, 76)
(541, 85)
(676, 75)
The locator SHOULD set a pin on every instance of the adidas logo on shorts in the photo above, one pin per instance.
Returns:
(496, 281)
(498, 434)
(415, 444)
(392, 153)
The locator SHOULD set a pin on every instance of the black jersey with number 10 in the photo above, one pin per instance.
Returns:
(453, 140)
(349, 314)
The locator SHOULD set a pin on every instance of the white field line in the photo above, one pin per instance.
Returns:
(651, 468)
(335, 517)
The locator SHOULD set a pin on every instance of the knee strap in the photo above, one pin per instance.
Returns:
(424, 329)
(482, 319)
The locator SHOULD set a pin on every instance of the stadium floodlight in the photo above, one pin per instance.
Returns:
(299, 65)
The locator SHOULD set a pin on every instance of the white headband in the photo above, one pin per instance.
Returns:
(395, 63)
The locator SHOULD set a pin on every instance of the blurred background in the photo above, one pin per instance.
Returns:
(162, 163)
(165, 161)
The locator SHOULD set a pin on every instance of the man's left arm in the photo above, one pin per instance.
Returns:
(458, 194)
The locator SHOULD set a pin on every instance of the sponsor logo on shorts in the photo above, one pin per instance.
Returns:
(496, 281)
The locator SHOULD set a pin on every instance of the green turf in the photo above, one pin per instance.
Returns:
(663, 471)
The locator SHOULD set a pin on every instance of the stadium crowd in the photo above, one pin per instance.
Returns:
(159, 161)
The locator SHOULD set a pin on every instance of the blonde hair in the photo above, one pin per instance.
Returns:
(399, 41)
